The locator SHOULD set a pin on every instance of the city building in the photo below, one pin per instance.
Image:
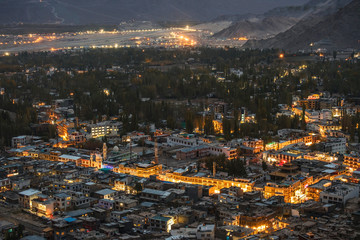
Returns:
(105, 128)
(339, 193)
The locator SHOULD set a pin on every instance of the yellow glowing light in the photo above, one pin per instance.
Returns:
(281, 55)
(106, 92)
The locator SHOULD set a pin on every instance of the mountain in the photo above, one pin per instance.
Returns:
(338, 30)
(278, 19)
(116, 11)
(257, 28)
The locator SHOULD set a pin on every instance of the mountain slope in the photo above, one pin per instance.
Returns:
(257, 28)
(115, 11)
(279, 19)
(339, 30)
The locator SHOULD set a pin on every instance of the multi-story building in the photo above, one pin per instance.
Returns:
(182, 141)
(26, 197)
(255, 143)
(293, 191)
(77, 137)
(313, 191)
(68, 185)
(193, 152)
(339, 193)
(230, 153)
(161, 223)
(283, 157)
(156, 195)
(80, 201)
(23, 140)
(325, 128)
(43, 205)
(105, 128)
(126, 203)
(106, 204)
(335, 145)
(62, 201)
(106, 194)
(5, 184)
(205, 232)
(352, 161)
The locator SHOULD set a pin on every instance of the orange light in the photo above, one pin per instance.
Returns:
(281, 55)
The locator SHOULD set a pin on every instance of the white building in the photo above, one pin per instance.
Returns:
(335, 145)
(105, 128)
(230, 153)
(236, 72)
(62, 201)
(26, 197)
(182, 141)
(339, 193)
(205, 232)
(24, 140)
(323, 115)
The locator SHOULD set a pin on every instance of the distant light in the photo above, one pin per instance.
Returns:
(6, 54)
(281, 55)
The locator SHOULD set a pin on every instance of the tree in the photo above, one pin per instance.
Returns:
(189, 121)
(264, 165)
(334, 54)
(138, 187)
(303, 121)
(236, 123)
(227, 129)
(209, 126)
(240, 168)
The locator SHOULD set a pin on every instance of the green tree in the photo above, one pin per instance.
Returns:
(227, 129)
(209, 126)
(264, 166)
(189, 121)
(138, 187)
(236, 123)
(303, 121)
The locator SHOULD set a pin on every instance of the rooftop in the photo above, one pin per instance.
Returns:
(155, 192)
(29, 192)
(69, 157)
(161, 218)
(105, 192)
(206, 228)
